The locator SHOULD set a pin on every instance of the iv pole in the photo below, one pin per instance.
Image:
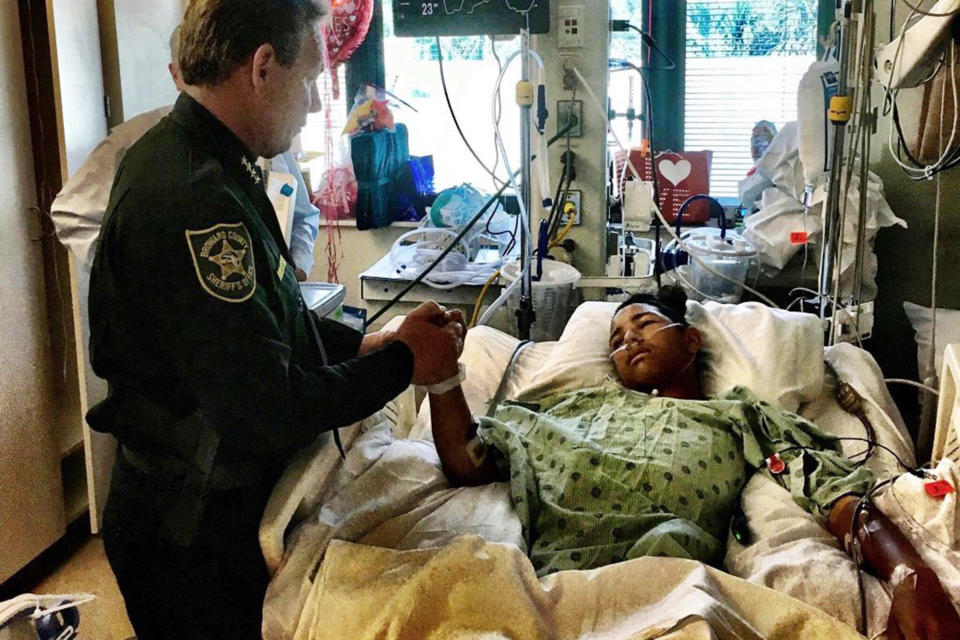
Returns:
(525, 314)
(839, 114)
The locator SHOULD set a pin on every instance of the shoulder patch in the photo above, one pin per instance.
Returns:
(223, 258)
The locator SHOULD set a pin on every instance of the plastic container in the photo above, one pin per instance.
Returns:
(731, 256)
(323, 298)
(553, 298)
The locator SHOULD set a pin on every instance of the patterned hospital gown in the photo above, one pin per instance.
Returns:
(602, 475)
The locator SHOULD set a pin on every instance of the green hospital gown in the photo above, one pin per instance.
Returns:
(602, 475)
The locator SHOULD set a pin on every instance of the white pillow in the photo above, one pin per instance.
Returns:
(777, 354)
(948, 332)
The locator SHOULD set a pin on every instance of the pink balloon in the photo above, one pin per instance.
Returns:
(345, 32)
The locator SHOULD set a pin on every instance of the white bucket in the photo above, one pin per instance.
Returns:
(553, 298)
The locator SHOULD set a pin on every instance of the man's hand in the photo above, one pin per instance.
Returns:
(301, 275)
(921, 610)
(435, 336)
(376, 340)
(454, 322)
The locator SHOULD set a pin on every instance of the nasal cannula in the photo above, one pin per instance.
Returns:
(625, 345)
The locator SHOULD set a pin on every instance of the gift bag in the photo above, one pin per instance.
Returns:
(380, 160)
(679, 175)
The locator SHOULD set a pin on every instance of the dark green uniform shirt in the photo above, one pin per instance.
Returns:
(195, 308)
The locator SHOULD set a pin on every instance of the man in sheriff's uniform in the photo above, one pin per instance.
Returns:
(217, 371)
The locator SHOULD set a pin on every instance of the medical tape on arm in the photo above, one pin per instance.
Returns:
(476, 450)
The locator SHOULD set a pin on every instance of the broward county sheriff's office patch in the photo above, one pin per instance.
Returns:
(223, 258)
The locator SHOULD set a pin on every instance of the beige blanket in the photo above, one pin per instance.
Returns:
(479, 590)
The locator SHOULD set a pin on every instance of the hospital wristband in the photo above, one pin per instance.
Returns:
(450, 383)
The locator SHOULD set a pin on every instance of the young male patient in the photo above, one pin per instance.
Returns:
(647, 465)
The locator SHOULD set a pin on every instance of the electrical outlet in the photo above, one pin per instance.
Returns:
(566, 109)
(570, 61)
(573, 197)
(570, 27)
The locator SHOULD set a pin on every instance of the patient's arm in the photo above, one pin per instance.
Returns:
(464, 460)
(921, 609)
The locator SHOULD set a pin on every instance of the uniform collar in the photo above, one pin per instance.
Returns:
(219, 140)
(235, 158)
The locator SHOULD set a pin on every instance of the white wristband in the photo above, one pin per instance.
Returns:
(451, 383)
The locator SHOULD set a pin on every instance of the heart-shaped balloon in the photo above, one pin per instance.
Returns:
(345, 32)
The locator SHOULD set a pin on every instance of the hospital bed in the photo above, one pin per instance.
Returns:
(378, 543)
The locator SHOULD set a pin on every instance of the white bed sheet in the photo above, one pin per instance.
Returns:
(393, 494)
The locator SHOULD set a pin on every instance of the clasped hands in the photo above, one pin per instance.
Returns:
(435, 336)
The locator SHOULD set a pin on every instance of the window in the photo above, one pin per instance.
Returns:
(312, 137)
(625, 89)
(742, 63)
(744, 60)
(471, 67)
(411, 72)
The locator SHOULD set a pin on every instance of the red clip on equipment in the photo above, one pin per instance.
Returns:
(799, 237)
(938, 489)
(776, 464)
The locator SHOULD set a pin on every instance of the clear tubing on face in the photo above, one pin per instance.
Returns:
(626, 345)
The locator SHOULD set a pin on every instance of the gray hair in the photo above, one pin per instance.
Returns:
(217, 36)
(175, 44)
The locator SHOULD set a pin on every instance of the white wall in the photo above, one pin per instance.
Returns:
(361, 249)
(143, 47)
(31, 503)
(80, 78)
(591, 151)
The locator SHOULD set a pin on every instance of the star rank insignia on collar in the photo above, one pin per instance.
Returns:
(251, 169)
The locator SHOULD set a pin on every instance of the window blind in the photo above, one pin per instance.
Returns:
(312, 138)
(744, 60)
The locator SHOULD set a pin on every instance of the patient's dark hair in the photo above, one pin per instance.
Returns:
(671, 300)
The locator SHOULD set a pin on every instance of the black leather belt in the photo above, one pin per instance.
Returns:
(223, 476)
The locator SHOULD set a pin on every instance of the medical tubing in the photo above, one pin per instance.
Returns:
(474, 320)
(650, 42)
(475, 316)
(543, 168)
(913, 383)
(571, 219)
(456, 121)
(947, 159)
(449, 279)
(932, 362)
(862, 51)
(663, 220)
(567, 173)
(917, 9)
(556, 200)
(554, 222)
(443, 254)
(496, 304)
(397, 298)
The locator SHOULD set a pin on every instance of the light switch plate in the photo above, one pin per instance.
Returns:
(570, 26)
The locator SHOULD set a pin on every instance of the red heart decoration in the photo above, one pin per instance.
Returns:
(345, 32)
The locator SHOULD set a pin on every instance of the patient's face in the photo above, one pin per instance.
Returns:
(648, 349)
